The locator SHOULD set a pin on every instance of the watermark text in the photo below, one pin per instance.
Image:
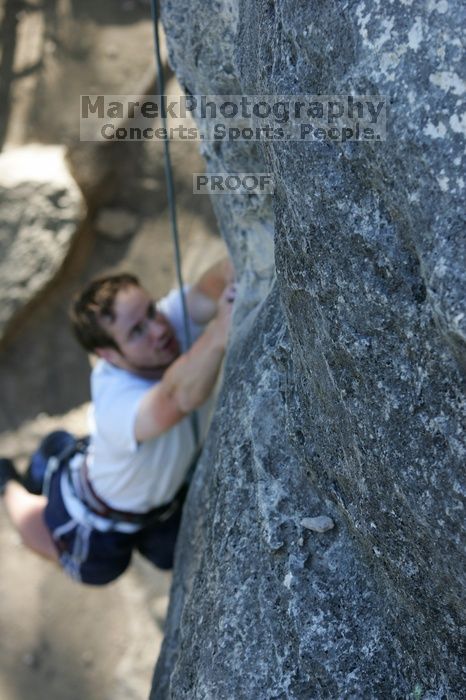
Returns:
(233, 117)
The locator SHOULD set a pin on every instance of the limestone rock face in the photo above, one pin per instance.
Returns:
(344, 384)
(40, 211)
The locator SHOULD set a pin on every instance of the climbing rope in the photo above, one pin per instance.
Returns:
(171, 197)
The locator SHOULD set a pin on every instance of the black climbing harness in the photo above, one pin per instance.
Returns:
(79, 487)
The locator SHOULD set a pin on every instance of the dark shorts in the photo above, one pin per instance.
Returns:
(94, 557)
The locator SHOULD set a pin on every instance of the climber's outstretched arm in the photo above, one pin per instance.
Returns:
(188, 382)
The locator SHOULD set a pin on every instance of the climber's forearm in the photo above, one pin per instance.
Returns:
(185, 385)
(191, 379)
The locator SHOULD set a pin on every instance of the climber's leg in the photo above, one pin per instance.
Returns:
(26, 512)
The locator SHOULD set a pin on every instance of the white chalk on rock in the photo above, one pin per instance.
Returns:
(288, 580)
(321, 523)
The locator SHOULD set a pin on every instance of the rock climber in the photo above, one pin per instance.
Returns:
(123, 487)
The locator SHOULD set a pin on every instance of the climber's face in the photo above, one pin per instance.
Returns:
(146, 341)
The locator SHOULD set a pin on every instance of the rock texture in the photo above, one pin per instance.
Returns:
(344, 384)
(40, 211)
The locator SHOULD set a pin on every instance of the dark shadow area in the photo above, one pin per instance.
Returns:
(8, 30)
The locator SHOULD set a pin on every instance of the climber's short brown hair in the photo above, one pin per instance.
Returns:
(96, 302)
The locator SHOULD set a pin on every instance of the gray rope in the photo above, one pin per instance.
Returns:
(171, 197)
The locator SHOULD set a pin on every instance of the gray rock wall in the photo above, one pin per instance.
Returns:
(344, 384)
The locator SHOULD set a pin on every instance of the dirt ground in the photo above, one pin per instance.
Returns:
(59, 640)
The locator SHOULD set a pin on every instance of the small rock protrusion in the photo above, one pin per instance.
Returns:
(321, 523)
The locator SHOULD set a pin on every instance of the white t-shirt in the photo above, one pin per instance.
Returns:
(127, 475)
